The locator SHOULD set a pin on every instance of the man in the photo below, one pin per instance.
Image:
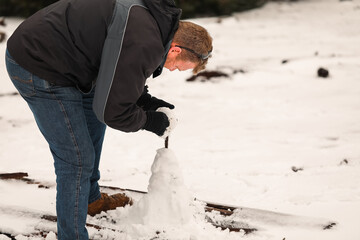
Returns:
(81, 65)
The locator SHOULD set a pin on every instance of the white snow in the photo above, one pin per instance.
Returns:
(237, 138)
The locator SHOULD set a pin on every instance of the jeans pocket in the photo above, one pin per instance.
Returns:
(22, 79)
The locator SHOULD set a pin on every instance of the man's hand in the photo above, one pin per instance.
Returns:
(149, 103)
(154, 104)
(160, 122)
(173, 120)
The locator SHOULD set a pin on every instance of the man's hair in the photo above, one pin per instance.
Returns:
(195, 42)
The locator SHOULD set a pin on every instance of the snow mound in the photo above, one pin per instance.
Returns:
(168, 201)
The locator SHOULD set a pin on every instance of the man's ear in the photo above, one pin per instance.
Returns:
(174, 50)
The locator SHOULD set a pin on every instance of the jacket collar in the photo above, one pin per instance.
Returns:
(167, 16)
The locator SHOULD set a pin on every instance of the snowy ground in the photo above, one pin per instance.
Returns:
(239, 137)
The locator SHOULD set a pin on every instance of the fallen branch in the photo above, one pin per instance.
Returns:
(224, 210)
(2, 36)
(52, 218)
(17, 175)
(2, 21)
(22, 176)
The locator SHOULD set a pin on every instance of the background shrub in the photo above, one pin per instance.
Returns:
(191, 8)
(22, 8)
(205, 8)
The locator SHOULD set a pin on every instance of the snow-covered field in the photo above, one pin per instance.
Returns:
(239, 138)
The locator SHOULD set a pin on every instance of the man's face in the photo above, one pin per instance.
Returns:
(173, 62)
(179, 65)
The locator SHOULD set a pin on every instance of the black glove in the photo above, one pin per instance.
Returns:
(156, 122)
(149, 103)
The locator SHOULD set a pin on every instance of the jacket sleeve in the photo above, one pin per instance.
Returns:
(140, 55)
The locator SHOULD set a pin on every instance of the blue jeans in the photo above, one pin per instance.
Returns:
(65, 117)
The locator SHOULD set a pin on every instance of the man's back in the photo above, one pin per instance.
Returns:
(63, 42)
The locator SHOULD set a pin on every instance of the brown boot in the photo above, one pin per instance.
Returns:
(107, 202)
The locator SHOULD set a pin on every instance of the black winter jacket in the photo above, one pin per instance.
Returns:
(115, 44)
